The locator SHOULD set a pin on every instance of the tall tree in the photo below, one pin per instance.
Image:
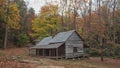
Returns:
(23, 13)
(47, 23)
(12, 18)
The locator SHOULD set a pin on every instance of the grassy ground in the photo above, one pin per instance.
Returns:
(19, 58)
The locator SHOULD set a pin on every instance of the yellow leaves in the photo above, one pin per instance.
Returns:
(13, 16)
(9, 14)
(50, 25)
(46, 22)
(38, 29)
(37, 25)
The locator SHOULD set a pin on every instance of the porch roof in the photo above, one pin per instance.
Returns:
(49, 46)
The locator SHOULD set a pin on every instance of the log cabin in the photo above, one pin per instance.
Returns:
(67, 44)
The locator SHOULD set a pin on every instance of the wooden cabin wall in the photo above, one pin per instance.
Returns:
(74, 41)
(32, 52)
(61, 50)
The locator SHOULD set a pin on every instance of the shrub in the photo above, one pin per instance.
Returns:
(0, 43)
(94, 53)
(22, 39)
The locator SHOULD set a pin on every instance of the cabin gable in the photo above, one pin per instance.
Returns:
(74, 45)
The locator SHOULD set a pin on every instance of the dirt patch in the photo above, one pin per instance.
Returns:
(15, 51)
(111, 63)
(14, 56)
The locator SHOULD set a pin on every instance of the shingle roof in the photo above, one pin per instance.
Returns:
(45, 41)
(61, 37)
(49, 46)
(58, 40)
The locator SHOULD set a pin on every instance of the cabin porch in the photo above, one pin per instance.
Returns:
(51, 52)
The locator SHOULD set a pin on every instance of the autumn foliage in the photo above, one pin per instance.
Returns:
(97, 21)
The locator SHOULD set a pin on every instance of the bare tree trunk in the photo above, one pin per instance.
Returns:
(99, 21)
(6, 26)
(114, 24)
(62, 12)
(74, 20)
(102, 59)
(62, 22)
(6, 35)
(90, 10)
(102, 55)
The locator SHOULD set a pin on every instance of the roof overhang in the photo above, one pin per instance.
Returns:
(49, 46)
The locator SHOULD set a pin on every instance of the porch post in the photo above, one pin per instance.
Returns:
(36, 52)
(29, 51)
(49, 52)
(43, 52)
(57, 53)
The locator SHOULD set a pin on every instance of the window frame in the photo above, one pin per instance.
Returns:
(75, 49)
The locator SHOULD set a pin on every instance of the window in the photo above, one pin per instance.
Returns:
(75, 49)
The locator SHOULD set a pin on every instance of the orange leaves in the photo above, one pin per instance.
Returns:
(2, 2)
(48, 10)
(5, 63)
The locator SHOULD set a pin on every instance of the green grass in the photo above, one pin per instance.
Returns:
(1, 54)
